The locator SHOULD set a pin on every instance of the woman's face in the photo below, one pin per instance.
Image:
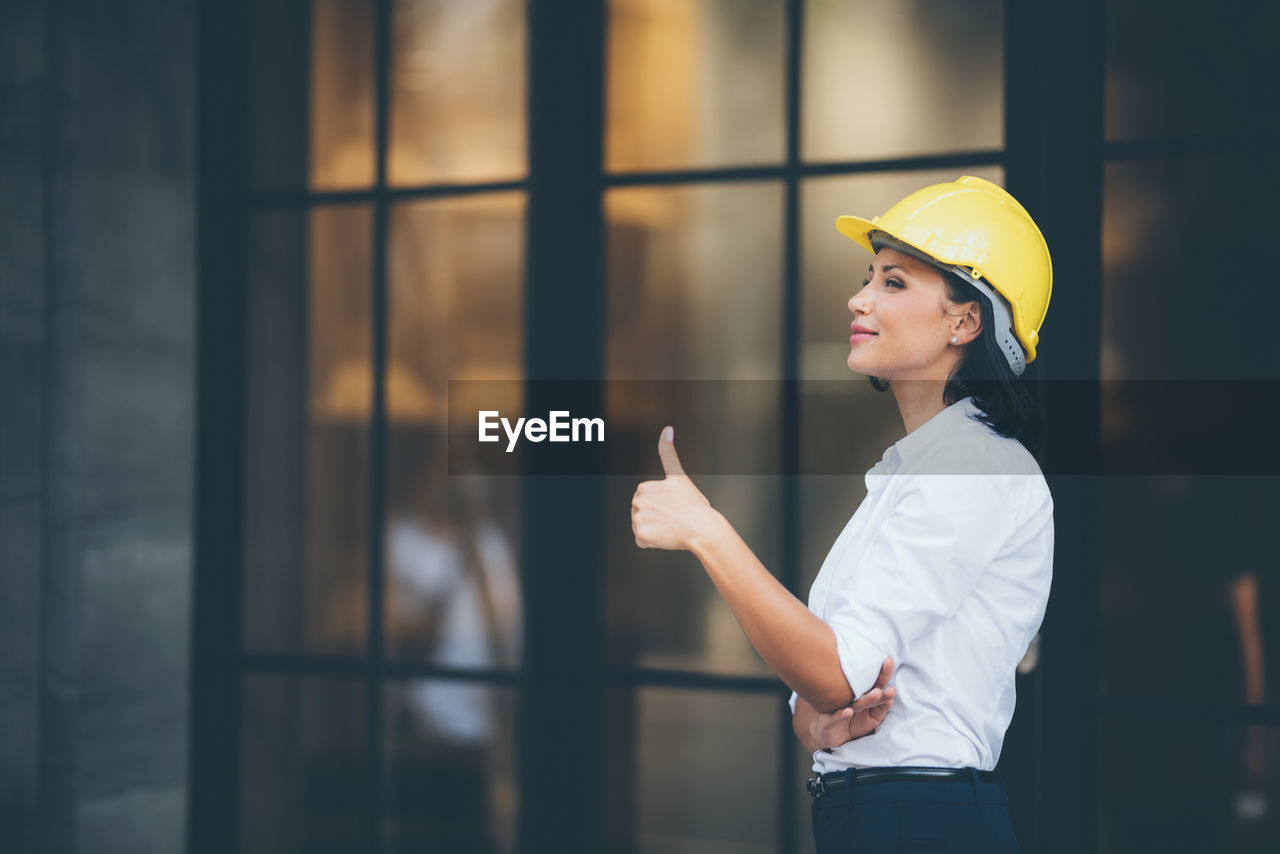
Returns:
(904, 303)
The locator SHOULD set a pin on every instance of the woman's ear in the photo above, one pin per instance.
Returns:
(971, 323)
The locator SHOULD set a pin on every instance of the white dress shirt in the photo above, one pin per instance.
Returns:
(427, 568)
(945, 567)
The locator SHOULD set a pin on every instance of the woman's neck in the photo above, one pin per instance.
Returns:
(918, 401)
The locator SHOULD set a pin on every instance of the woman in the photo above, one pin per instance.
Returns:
(944, 569)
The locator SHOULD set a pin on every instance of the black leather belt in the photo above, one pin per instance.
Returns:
(818, 786)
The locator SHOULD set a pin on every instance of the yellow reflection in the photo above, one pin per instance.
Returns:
(694, 83)
(888, 80)
(456, 290)
(342, 93)
(348, 395)
(457, 91)
(695, 279)
(652, 47)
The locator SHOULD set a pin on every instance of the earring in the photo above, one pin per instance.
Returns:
(954, 339)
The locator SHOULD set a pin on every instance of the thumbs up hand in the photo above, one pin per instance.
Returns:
(670, 513)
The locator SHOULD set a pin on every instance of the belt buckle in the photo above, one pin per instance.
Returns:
(816, 786)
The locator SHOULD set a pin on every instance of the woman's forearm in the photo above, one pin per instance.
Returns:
(802, 725)
(796, 645)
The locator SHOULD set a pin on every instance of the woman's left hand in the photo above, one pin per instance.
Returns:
(862, 717)
(670, 513)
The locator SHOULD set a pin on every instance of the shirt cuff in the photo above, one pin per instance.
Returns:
(860, 660)
(792, 702)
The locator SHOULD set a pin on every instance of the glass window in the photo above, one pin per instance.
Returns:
(1183, 309)
(1174, 277)
(309, 401)
(1171, 71)
(458, 97)
(1150, 801)
(695, 83)
(311, 98)
(884, 79)
(302, 766)
(456, 311)
(698, 271)
(697, 771)
(456, 303)
(450, 767)
(1189, 591)
(1188, 599)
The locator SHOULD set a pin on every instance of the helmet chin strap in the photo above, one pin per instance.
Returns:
(1008, 342)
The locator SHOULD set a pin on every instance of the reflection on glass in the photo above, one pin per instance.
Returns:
(1203, 601)
(694, 293)
(1173, 273)
(456, 311)
(457, 91)
(1152, 800)
(842, 417)
(341, 94)
(885, 80)
(694, 83)
(453, 588)
(450, 767)
(700, 780)
(309, 399)
(302, 765)
(311, 95)
(1168, 69)
(695, 281)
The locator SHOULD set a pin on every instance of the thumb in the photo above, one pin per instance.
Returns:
(667, 451)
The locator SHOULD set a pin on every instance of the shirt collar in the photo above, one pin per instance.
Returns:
(949, 419)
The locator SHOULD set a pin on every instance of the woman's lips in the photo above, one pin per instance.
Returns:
(860, 333)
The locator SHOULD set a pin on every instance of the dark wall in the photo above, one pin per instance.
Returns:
(22, 341)
(97, 300)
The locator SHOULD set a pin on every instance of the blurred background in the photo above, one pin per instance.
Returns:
(248, 605)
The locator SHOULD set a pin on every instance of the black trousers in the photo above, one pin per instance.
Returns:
(909, 816)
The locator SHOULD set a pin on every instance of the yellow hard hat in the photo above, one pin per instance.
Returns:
(976, 229)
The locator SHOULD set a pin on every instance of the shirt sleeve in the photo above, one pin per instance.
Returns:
(941, 534)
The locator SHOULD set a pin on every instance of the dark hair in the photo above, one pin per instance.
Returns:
(985, 375)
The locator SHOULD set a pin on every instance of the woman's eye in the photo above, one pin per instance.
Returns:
(894, 282)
